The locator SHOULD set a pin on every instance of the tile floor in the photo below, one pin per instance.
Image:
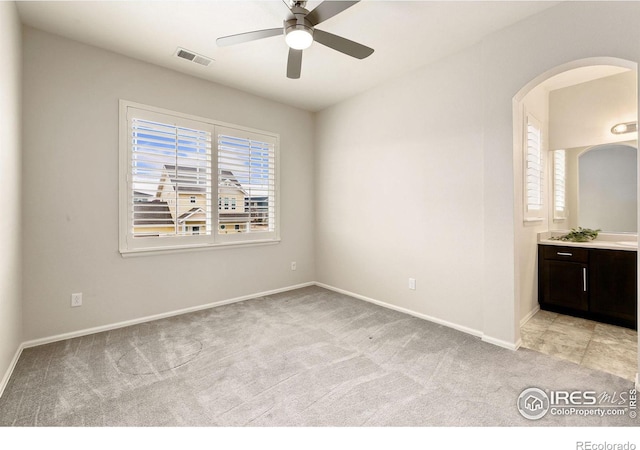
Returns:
(592, 344)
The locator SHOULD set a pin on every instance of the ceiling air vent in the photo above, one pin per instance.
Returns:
(193, 57)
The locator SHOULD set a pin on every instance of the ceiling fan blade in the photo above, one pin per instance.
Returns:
(246, 37)
(328, 9)
(341, 44)
(294, 64)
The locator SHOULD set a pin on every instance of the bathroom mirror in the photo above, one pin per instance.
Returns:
(596, 187)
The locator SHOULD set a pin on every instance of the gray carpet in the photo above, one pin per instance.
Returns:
(308, 357)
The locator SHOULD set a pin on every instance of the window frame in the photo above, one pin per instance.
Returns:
(130, 246)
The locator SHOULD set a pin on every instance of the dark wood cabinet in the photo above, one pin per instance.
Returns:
(596, 284)
(614, 281)
(564, 283)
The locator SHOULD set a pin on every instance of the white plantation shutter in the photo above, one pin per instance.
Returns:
(559, 184)
(246, 175)
(186, 181)
(533, 168)
(167, 184)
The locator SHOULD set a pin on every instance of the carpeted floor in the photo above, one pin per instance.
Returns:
(309, 357)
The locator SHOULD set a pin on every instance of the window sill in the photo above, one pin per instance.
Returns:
(126, 253)
(533, 219)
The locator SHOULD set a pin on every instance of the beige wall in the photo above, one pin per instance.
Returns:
(582, 115)
(71, 94)
(10, 174)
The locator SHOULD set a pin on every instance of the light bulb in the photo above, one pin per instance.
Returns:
(622, 128)
(299, 38)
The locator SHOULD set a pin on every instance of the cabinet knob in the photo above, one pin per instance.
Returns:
(564, 254)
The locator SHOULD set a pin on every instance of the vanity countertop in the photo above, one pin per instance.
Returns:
(610, 241)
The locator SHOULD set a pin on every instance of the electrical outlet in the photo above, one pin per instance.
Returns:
(294, 266)
(76, 299)
(412, 284)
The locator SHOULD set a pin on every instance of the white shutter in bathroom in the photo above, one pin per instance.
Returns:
(533, 167)
(559, 181)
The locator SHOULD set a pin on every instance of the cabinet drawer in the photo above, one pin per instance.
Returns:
(571, 254)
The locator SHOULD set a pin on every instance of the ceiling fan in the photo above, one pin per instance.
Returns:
(300, 32)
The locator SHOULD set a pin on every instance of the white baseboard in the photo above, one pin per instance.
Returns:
(113, 326)
(455, 326)
(501, 343)
(9, 371)
(531, 313)
(126, 323)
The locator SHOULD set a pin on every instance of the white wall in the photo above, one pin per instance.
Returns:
(71, 94)
(535, 103)
(399, 192)
(10, 173)
(439, 142)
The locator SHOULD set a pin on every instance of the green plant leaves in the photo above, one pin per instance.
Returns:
(578, 235)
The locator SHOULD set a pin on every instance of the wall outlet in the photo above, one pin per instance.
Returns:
(412, 284)
(76, 299)
(294, 266)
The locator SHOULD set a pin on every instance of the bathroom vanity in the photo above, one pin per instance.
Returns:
(595, 280)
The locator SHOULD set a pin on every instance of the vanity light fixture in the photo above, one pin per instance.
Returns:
(626, 127)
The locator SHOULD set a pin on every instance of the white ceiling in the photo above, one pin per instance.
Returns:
(405, 35)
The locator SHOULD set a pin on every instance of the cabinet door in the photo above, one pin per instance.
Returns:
(613, 284)
(564, 284)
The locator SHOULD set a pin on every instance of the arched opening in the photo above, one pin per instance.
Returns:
(562, 113)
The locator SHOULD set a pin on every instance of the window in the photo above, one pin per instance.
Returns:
(174, 166)
(246, 169)
(559, 183)
(533, 170)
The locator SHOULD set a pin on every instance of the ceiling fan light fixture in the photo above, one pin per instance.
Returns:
(298, 36)
(299, 33)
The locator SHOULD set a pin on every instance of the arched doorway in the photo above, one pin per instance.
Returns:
(535, 103)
